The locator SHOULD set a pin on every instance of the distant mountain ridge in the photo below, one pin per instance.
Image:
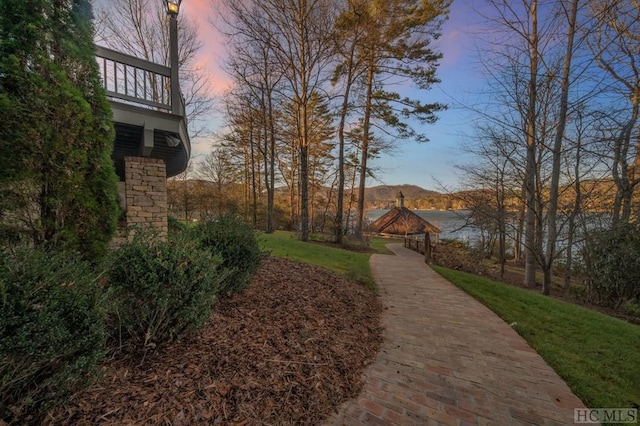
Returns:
(415, 197)
(596, 196)
(390, 192)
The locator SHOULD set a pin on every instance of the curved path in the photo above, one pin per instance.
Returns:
(447, 359)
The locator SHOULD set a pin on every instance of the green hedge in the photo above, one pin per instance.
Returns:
(613, 265)
(52, 330)
(235, 241)
(161, 291)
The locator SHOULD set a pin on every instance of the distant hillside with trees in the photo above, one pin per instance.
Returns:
(415, 197)
(198, 198)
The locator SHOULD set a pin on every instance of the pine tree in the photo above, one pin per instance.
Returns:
(57, 177)
(396, 42)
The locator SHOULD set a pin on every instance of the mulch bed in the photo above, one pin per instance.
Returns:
(287, 350)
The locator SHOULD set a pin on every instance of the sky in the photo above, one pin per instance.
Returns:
(430, 165)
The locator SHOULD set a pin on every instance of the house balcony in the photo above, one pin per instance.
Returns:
(148, 111)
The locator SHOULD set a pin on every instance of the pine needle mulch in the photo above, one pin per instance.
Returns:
(287, 350)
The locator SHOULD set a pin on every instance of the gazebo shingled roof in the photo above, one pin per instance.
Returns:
(402, 221)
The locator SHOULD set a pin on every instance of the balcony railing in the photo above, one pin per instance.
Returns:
(148, 110)
(136, 81)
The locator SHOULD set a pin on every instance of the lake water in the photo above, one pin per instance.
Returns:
(451, 223)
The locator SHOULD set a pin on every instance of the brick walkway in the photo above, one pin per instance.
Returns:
(447, 359)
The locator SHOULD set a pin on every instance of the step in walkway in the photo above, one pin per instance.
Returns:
(446, 359)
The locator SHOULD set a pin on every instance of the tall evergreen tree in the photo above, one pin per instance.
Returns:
(395, 46)
(57, 177)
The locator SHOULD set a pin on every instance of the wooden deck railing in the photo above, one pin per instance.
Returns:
(421, 245)
(137, 81)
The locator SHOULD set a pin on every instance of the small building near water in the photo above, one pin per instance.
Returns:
(401, 221)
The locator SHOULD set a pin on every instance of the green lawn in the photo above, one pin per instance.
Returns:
(354, 265)
(597, 355)
(379, 245)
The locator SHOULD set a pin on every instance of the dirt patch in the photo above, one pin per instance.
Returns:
(287, 350)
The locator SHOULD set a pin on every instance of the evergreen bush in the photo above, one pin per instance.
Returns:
(52, 330)
(58, 185)
(232, 239)
(161, 291)
(612, 260)
(175, 226)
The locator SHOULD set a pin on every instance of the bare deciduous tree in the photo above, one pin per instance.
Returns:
(253, 65)
(291, 40)
(616, 50)
(219, 169)
(552, 225)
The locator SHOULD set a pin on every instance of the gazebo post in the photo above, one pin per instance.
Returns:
(427, 248)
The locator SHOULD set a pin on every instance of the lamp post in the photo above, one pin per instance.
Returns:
(173, 8)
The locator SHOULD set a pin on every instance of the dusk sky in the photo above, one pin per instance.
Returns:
(412, 163)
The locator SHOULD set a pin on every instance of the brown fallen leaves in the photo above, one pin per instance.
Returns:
(287, 350)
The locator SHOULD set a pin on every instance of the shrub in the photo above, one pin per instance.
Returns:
(236, 243)
(175, 226)
(161, 291)
(612, 259)
(52, 330)
(632, 309)
(357, 244)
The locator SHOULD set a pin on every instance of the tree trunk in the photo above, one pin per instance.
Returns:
(350, 208)
(304, 193)
(364, 151)
(577, 207)
(530, 240)
(270, 131)
(620, 171)
(339, 231)
(327, 206)
(557, 148)
(267, 175)
(254, 184)
(518, 250)
(311, 165)
(502, 229)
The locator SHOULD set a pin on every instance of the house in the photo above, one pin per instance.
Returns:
(151, 137)
(402, 221)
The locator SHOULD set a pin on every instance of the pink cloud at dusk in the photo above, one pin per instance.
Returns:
(213, 52)
(209, 58)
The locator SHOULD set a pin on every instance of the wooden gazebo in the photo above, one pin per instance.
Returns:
(400, 221)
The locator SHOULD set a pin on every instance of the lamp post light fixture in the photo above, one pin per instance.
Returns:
(173, 7)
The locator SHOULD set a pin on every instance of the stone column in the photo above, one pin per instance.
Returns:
(146, 194)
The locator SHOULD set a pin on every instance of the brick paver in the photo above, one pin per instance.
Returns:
(447, 359)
